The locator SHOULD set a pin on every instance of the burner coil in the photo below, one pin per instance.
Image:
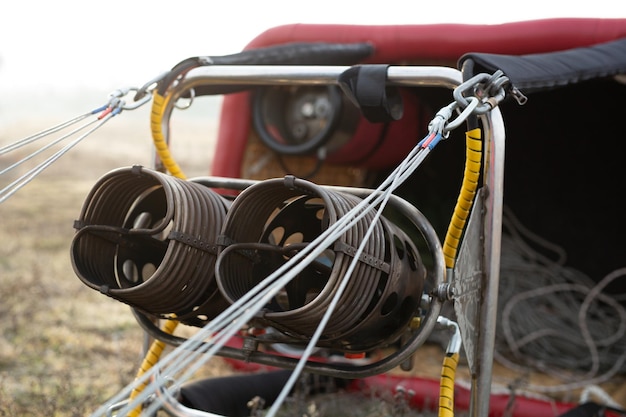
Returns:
(271, 221)
(149, 240)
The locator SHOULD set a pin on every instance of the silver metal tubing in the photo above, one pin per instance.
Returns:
(493, 168)
(260, 75)
(257, 75)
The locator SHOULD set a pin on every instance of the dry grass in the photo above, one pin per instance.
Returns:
(64, 348)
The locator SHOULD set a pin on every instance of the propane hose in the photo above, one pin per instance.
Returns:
(159, 104)
(462, 210)
(466, 196)
(448, 370)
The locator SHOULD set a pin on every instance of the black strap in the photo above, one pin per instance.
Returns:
(591, 409)
(229, 395)
(554, 69)
(295, 53)
(299, 53)
(366, 86)
(585, 410)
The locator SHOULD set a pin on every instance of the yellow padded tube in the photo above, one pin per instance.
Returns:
(160, 143)
(446, 386)
(466, 196)
(152, 357)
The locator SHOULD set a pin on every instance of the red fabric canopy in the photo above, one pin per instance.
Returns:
(434, 44)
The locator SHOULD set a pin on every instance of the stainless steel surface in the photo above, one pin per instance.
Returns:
(311, 75)
(493, 128)
(467, 283)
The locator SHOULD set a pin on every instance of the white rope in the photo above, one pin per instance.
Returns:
(556, 319)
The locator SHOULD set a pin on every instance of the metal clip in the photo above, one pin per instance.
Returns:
(148, 87)
(120, 93)
(185, 105)
(471, 107)
(439, 122)
(518, 96)
(489, 89)
(469, 85)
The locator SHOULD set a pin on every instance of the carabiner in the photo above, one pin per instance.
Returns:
(120, 93)
(469, 85)
(137, 103)
(441, 119)
(490, 89)
(467, 111)
(148, 87)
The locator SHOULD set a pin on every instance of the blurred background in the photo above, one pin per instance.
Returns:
(60, 47)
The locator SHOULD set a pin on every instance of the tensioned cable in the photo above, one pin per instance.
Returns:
(104, 113)
(32, 138)
(27, 177)
(333, 304)
(300, 260)
(193, 353)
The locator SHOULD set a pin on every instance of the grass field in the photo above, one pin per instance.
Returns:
(64, 348)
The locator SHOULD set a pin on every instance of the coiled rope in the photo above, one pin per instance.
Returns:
(554, 318)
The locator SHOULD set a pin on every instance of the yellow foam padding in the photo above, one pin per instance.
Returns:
(152, 357)
(446, 387)
(160, 143)
(471, 175)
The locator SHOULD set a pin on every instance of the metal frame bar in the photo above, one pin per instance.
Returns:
(493, 171)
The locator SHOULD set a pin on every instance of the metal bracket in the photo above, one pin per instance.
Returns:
(467, 284)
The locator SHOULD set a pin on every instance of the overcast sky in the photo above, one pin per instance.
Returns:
(73, 44)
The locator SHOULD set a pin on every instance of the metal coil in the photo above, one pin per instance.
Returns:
(149, 240)
(273, 219)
